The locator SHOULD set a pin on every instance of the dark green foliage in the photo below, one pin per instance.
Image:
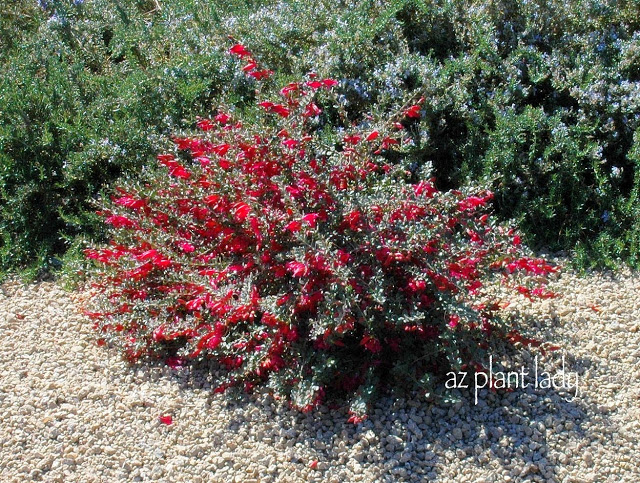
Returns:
(87, 98)
(538, 99)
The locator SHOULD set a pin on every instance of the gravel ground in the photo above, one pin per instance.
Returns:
(72, 411)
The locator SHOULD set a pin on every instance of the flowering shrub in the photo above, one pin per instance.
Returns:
(305, 261)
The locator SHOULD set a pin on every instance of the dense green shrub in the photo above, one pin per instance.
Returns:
(298, 257)
(85, 99)
(538, 99)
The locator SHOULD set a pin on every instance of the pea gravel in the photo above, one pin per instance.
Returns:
(73, 411)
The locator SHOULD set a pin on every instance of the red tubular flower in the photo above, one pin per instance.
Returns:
(130, 202)
(343, 257)
(327, 83)
(535, 266)
(220, 149)
(204, 161)
(356, 419)
(260, 74)
(473, 202)
(293, 226)
(311, 219)
(290, 89)
(275, 108)
(222, 118)
(240, 50)
(541, 293)
(158, 333)
(372, 136)
(352, 139)
(205, 124)
(240, 211)
(413, 112)
(280, 110)
(291, 143)
(166, 419)
(312, 110)
(165, 158)
(371, 344)
(297, 269)
(250, 66)
(425, 188)
(118, 221)
(352, 220)
(179, 171)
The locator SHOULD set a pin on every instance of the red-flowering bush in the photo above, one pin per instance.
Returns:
(308, 265)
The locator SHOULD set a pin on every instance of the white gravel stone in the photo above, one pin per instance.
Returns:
(73, 411)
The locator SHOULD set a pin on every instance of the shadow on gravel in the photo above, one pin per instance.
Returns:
(416, 439)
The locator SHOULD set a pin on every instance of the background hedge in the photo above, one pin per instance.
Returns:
(540, 100)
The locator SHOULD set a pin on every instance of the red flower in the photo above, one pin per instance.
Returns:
(355, 419)
(240, 50)
(291, 143)
(275, 108)
(220, 149)
(413, 112)
(290, 89)
(165, 158)
(543, 294)
(297, 269)
(167, 419)
(317, 84)
(343, 257)
(293, 226)
(203, 160)
(352, 220)
(473, 202)
(250, 66)
(372, 136)
(223, 118)
(261, 74)
(179, 171)
(352, 139)
(121, 222)
(280, 110)
(312, 110)
(186, 247)
(535, 266)
(371, 344)
(425, 188)
(311, 219)
(240, 211)
(205, 124)
(130, 202)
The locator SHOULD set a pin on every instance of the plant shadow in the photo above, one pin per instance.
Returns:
(415, 439)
